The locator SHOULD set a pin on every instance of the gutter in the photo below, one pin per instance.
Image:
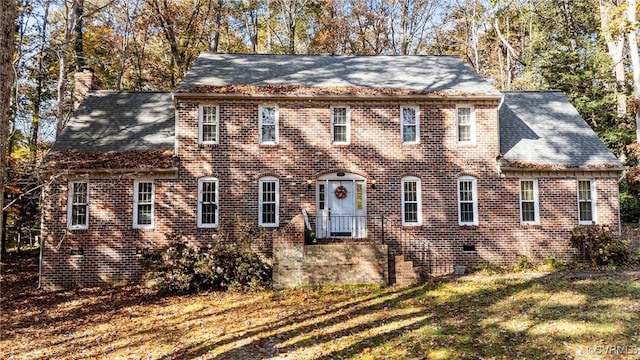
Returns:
(333, 97)
(611, 169)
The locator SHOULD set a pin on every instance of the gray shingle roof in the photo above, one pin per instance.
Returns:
(120, 121)
(543, 128)
(419, 73)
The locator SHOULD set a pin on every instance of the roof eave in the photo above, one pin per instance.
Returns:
(334, 97)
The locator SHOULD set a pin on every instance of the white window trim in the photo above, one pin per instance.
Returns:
(277, 210)
(201, 124)
(418, 199)
(594, 213)
(135, 204)
(474, 188)
(70, 207)
(217, 202)
(536, 206)
(417, 140)
(472, 119)
(348, 125)
(277, 125)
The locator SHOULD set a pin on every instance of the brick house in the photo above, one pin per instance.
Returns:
(392, 166)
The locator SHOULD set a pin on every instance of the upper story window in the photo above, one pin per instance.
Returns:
(586, 202)
(208, 202)
(78, 205)
(268, 124)
(208, 124)
(466, 124)
(411, 203)
(268, 202)
(467, 201)
(529, 213)
(410, 119)
(340, 125)
(143, 196)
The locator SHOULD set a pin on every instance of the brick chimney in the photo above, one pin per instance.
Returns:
(84, 81)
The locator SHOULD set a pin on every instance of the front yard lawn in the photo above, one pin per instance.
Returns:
(542, 317)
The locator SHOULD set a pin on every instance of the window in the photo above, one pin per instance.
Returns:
(359, 196)
(529, 202)
(207, 202)
(586, 202)
(143, 204)
(340, 125)
(268, 204)
(268, 122)
(321, 196)
(208, 124)
(466, 125)
(467, 201)
(78, 205)
(411, 204)
(410, 118)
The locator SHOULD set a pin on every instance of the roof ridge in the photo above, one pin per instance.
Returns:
(330, 55)
(531, 91)
(112, 91)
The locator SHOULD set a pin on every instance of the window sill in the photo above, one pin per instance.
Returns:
(78, 229)
(143, 228)
(530, 225)
(469, 226)
(269, 145)
(467, 144)
(207, 145)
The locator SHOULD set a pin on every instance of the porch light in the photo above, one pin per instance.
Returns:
(373, 183)
(309, 183)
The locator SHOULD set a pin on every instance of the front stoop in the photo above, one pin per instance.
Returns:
(407, 273)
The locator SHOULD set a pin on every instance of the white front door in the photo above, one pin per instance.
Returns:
(341, 208)
(341, 204)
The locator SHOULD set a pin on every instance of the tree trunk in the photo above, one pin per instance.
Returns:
(40, 77)
(635, 60)
(79, 30)
(7, 43)
(69, 25)
(615, 47)
(216, 34)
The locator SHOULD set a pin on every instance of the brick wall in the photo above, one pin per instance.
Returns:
(304, 153)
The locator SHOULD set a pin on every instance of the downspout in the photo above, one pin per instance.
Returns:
(175, 127)
(42, 197)
(499, 157)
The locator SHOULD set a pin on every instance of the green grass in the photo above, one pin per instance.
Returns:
(550, 317)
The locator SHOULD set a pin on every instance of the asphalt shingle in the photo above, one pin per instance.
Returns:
(543, 128)
(120, 121)
(419, 73)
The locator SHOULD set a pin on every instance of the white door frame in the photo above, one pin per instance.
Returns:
(324, 197)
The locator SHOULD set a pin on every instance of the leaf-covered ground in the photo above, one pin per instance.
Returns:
(506, 317)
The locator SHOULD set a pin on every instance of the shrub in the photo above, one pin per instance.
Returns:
(600, 245)
(182, 268)
(523, 264)
(629, 208)
(554, 264)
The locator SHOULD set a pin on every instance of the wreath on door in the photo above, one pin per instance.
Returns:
(341, 192)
